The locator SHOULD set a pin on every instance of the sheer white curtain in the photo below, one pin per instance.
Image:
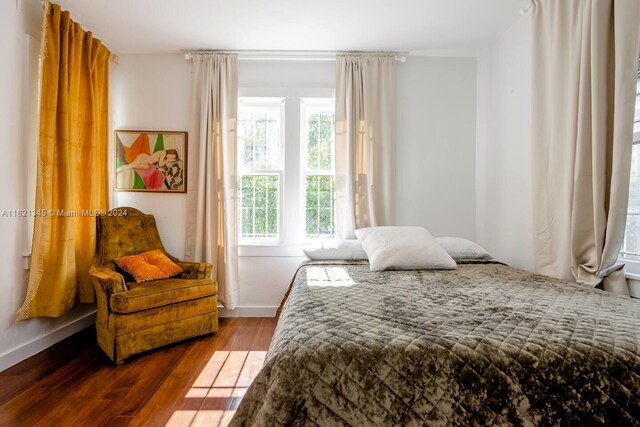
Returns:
(584, 75)
(211, 210)
(365, 138)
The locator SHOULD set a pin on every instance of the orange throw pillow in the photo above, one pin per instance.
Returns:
(152, 265)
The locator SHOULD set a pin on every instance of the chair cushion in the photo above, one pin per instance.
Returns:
(152, 265)
(157, 293)
(120, 324)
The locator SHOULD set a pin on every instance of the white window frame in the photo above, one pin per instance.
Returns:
(636, 120)
(630, 256)
(260, 103)
(316, 103)
(631, 260)
(292, 236)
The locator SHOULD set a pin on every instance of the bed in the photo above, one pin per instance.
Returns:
(485, 344)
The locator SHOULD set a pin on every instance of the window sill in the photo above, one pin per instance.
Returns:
(272, 250)
(633, 275)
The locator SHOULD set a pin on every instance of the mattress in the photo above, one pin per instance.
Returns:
(485, 344)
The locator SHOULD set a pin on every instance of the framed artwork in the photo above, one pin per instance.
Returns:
(151, 161)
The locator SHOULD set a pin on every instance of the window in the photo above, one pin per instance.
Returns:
(318, 166)
(631, 245)
(261, 168)
(286, 168)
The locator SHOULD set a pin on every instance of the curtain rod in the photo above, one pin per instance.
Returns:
(294, 55)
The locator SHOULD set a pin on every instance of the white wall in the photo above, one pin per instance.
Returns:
(436, 148)
(503, 221)
(153, 92)
(20, 339)
(435, 163)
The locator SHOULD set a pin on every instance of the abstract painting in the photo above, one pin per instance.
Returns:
(151, 161)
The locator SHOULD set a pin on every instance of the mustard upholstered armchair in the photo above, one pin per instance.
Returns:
(135, 317)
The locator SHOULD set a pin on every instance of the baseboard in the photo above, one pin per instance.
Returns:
(248, 311)
(45, 341)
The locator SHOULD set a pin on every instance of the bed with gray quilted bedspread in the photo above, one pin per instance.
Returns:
(485, 344)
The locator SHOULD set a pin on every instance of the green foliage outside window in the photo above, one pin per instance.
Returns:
(259, 210)
(320, 206)
(320, 203)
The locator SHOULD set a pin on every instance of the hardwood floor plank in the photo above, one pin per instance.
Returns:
(252, 365)
(76, 412)
(230, 372)
(53, 391)
(11, 385)
(231, 410)
(22, 375)
(165, 401)
(200, 381)
(132, 391)
(116, 422)
(14, 412)
(181, 418)
(265, 333)
(220, 396)
(209, 372)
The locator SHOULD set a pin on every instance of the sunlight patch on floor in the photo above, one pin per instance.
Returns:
(218, 389)
(181, 418)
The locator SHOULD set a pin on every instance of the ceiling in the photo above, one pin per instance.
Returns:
(160, 26)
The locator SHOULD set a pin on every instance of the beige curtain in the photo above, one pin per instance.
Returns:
(585, 56)
(212, 233)
(365, 138)
(72, 166)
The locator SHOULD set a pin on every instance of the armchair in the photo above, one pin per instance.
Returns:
(135, 317)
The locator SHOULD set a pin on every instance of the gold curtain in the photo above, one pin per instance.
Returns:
(72, 166)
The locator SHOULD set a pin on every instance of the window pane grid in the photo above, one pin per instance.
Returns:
(259, 135)
(318, 173)
(260, 162)
(259, 195)
(320, 210)
(320, 141)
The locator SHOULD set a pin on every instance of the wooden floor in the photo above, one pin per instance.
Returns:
(197, 382)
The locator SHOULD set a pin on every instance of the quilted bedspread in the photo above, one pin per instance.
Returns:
(485, 344)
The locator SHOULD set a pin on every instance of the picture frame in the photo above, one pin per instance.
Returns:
(150, 161)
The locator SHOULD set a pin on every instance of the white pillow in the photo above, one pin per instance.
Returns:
(346, 249)
(459, 248)
(403, 248)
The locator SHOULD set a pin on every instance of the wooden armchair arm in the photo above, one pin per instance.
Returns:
(195, 270)
(107, 280)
